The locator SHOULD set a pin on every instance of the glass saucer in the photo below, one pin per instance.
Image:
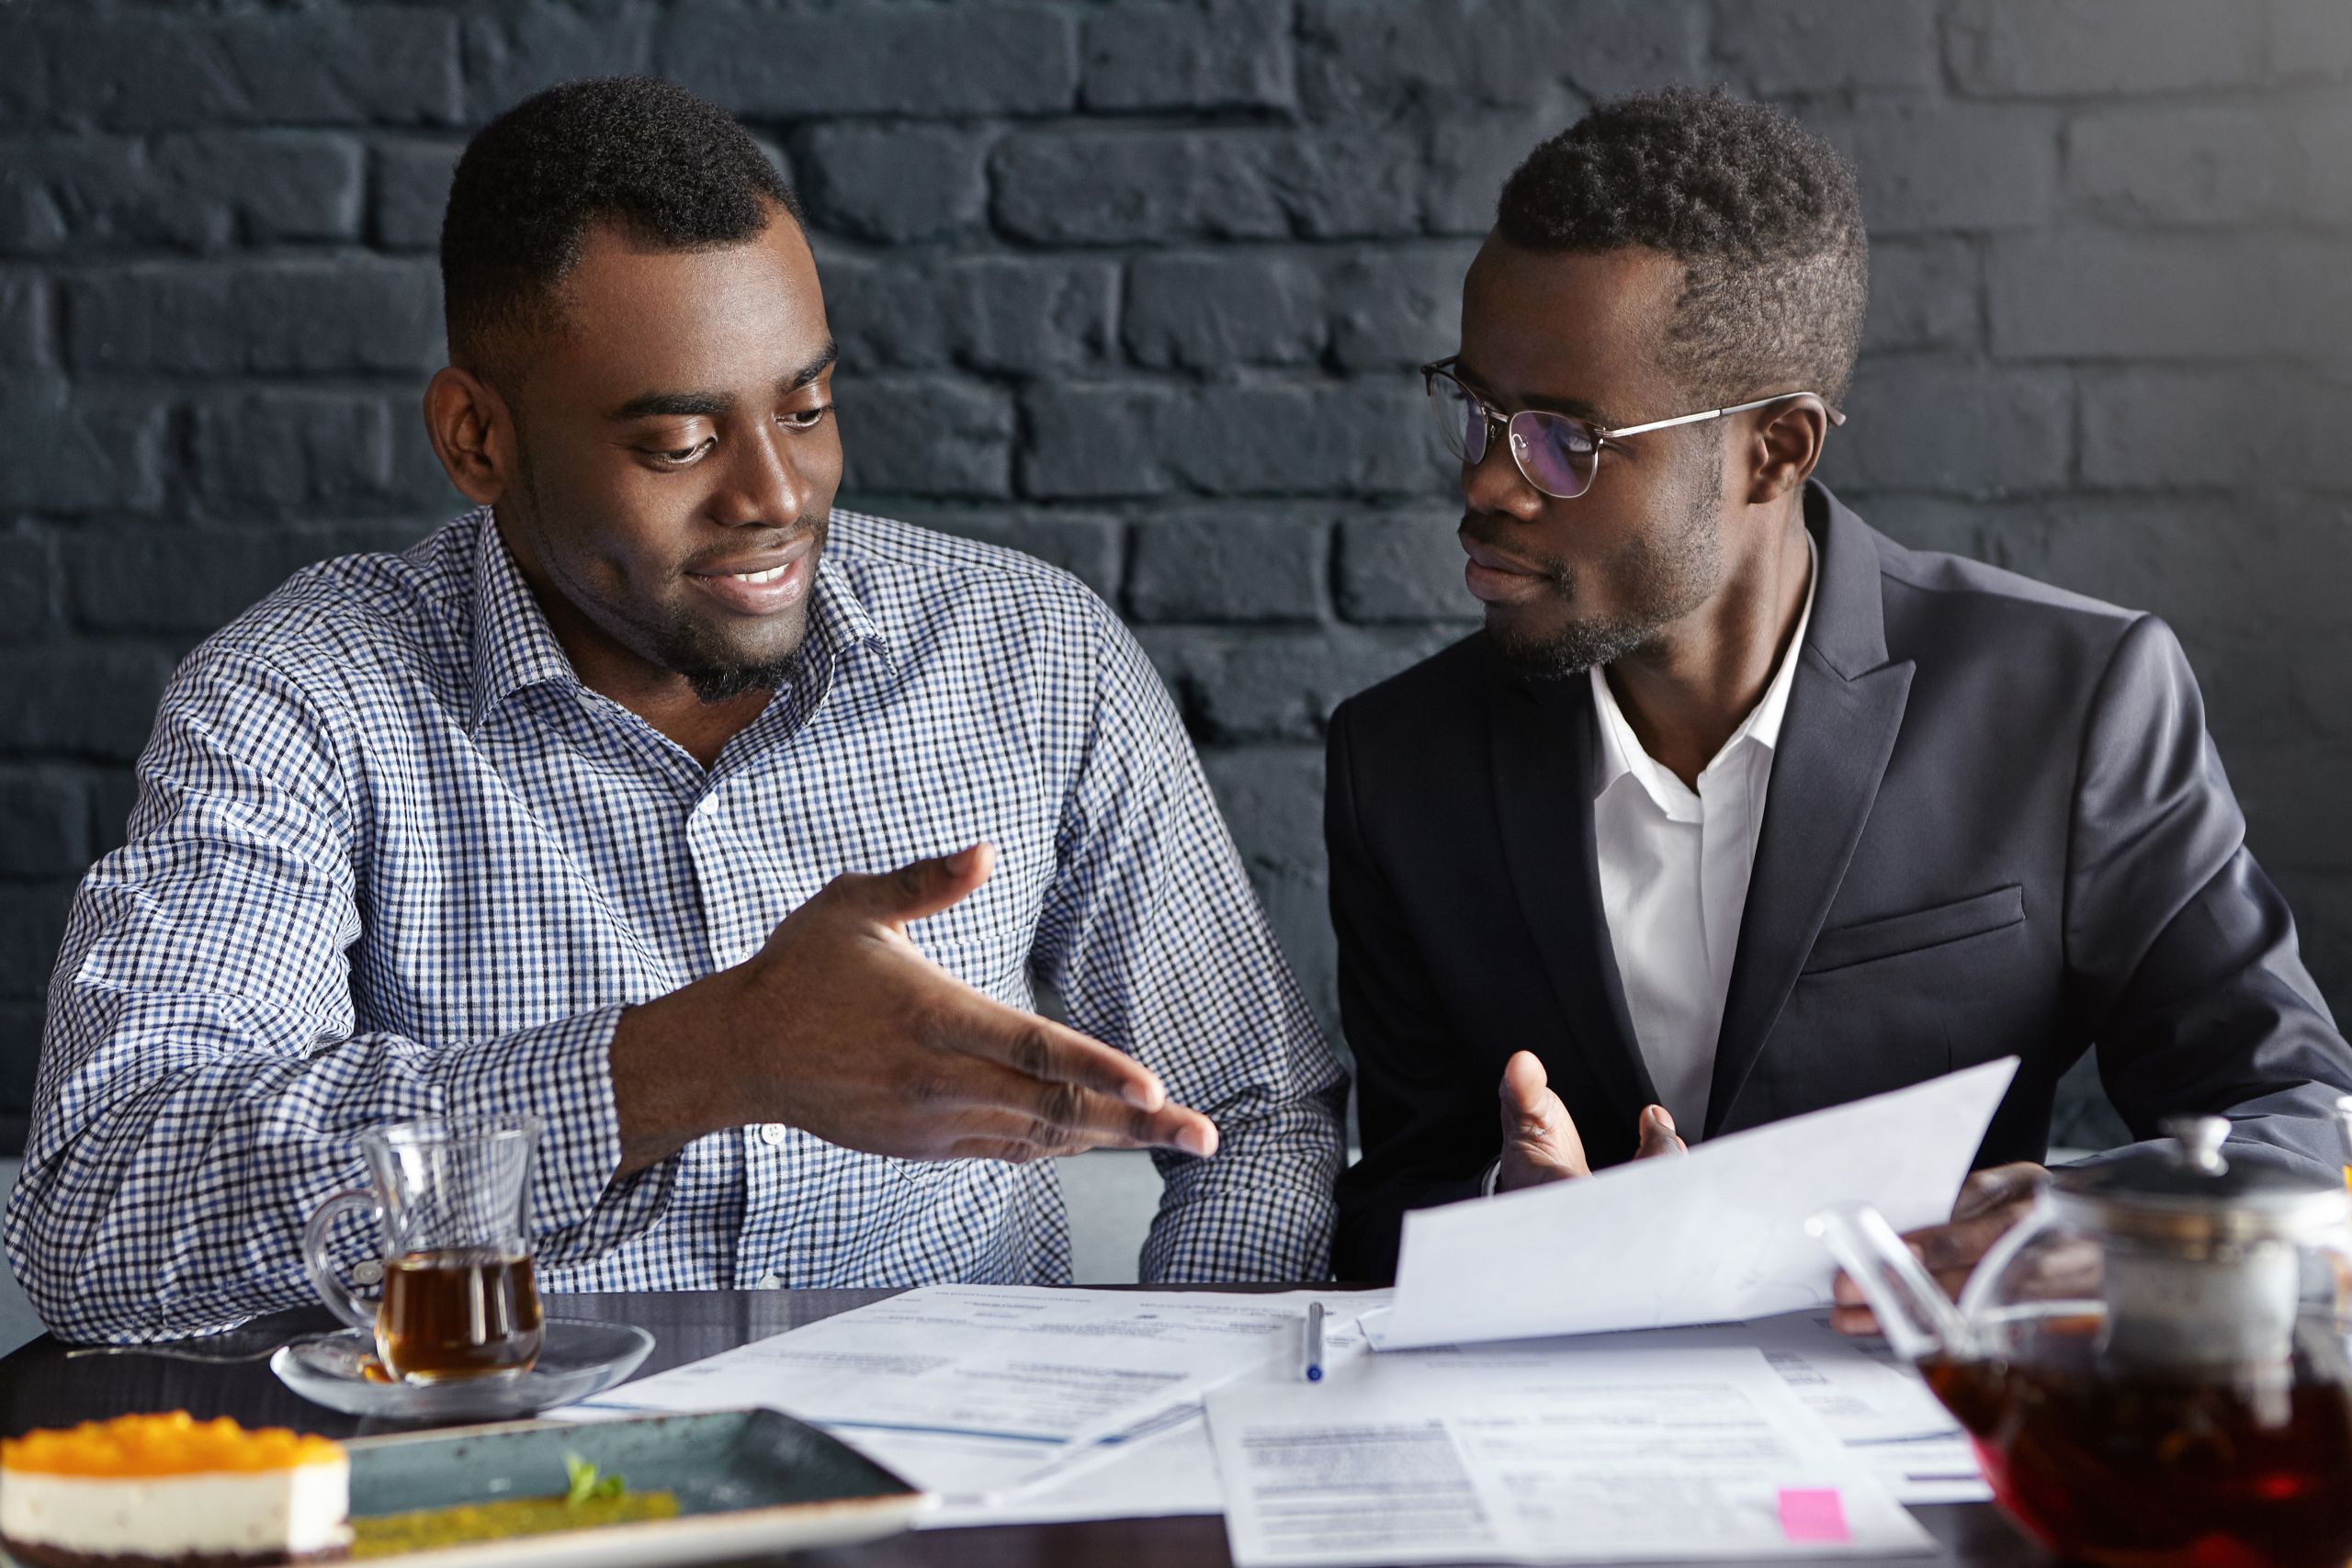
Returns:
(577, 1358)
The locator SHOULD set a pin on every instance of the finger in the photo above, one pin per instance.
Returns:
(918, 888)
(1537, 1131)
(1985, 1190)
(1063, 1119)
(1657, 1136)
(1041, 1050)
(1961, 1243)
(1003, 1134)
(1853, 1320)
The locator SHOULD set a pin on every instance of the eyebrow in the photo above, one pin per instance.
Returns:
(710, 405)
(1576, 406)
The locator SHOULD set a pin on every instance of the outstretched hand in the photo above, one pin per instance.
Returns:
(839, 1026)
(1540, 1141)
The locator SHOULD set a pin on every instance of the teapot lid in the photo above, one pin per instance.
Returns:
(2191, 1192)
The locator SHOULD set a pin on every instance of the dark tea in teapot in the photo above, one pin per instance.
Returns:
(2246, 1470)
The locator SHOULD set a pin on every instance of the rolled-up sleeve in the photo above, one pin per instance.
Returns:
(203, 1073)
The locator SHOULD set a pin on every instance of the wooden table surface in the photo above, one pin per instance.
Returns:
(42, 1386)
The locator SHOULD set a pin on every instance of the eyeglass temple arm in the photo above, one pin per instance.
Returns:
(1835, 417)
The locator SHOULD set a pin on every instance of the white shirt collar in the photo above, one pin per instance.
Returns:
(1620, 750)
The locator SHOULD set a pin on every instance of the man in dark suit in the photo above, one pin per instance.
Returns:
(1736, 809)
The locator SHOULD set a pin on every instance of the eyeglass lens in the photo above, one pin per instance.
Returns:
(1554, 452)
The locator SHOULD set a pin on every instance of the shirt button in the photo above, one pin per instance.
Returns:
(770, 1281)
(772, 1133)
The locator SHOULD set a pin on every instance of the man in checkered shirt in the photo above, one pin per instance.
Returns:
(721, 830)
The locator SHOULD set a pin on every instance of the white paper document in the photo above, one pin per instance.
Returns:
(1626, 1455)
(983, 1393)
(1710, 1236)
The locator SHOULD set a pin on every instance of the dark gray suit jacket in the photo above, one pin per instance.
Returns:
(1995, 827)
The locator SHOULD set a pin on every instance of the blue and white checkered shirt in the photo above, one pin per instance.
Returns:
(391, 859)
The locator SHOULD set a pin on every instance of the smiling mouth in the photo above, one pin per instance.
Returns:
(770, 575)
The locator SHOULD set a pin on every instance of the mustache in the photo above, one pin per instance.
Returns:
(767, 542)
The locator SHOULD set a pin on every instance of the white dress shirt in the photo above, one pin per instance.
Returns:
(1674, 870)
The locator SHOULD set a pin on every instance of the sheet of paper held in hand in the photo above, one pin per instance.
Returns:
(1624, 1455)
(1712, 1236)
(971, 1391)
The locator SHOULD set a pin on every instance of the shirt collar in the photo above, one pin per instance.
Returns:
(1620, 751)
(514, 647)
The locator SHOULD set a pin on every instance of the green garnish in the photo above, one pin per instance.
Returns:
(585, 1485)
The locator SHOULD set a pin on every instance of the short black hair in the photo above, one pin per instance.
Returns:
(1763, 215)
(646, 154)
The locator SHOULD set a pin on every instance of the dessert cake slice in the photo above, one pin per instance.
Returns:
(170, 1489)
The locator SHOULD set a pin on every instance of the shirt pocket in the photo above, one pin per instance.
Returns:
(1895, 935)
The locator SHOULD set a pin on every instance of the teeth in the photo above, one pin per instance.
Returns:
(768, 576)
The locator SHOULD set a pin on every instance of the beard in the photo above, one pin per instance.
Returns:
(1662, 576)
(717, 673)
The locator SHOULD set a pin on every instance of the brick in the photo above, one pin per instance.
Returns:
(1966, 429)
(411, 193)
(24, 86)
(1822, 46)
(975, 59)
(44, 823)
(1211, 312)
(20, 1027)
(194, 192)
(291, 453)
(27, 587)
(1116, 187)
(1402, 567)
(95, 449)
(113, 792)
(2183, 166)
(82, 700)
(2323, 151)
(894, 182)
(1237, 687)
(1089, 546)
(1223, 567)
(350, 315)
(1195, 54)
(1271, 797)
(416, 483)
(1924, 294)
(24, 335)
(1018, 315)
(925, 436)
(197, 581)
(1359, 58)
(32, 925)
(510, 54)
(1472, 154)
(1113, 440)
(1398, 309)
(2152, 427)
(1925, 166)
(148, 70)
(2311, 38)
(2061, 48)
(2091, 295)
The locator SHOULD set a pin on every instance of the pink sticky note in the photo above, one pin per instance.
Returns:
(1813, 1513)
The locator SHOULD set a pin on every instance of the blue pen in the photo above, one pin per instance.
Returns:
(1311, 1349)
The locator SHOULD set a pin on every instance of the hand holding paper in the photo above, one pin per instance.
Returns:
(1716, 1236)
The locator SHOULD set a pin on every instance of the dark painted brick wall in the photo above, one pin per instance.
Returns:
(1137, 284)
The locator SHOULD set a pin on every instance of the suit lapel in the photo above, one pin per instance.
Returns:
(1543, 739)
(1845, 710)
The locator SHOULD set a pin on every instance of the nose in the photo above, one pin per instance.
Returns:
(760, 484)
(1494, 483)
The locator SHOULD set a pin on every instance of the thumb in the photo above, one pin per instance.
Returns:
(1658, 1135)
(1533, 1119)
(920, 887)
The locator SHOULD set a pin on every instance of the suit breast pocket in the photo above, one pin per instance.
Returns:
(1895, 935)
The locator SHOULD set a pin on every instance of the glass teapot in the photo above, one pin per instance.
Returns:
(2151, 1364)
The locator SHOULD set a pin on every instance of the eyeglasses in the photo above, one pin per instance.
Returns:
(1558, 453)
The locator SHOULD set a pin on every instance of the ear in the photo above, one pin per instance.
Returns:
(472, 433)
(1786, 446)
